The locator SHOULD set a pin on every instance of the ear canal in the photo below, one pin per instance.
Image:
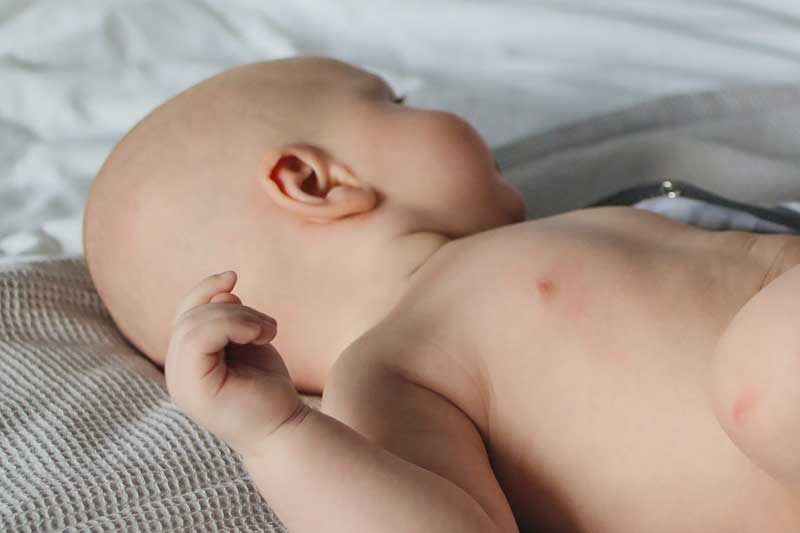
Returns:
(310, 184)
(294, 174)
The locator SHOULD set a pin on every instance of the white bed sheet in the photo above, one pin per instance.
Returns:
(75, 75)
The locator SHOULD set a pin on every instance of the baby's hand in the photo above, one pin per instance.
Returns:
(221, 369)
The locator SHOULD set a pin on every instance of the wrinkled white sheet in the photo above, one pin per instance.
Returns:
(75, 75)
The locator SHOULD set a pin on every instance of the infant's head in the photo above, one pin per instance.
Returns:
(306, 177)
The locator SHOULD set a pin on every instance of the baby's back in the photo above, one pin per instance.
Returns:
(583, 343)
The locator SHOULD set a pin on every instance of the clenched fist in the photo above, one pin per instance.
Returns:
(222, 371)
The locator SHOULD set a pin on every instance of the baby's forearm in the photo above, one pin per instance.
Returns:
(321, 475)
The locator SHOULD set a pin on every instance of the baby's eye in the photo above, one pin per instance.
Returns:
(399, 99)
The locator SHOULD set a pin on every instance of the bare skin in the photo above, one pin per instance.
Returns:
(592, 371)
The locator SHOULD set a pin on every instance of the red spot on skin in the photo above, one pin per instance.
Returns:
(546, 288)
(743, 404)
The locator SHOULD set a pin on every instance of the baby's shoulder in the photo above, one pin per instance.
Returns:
(427, 351)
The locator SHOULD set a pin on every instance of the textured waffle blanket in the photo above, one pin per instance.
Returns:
(89, 438)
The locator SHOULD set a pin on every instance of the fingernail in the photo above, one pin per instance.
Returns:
(225, 274)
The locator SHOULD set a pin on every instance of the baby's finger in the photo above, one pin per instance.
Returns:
(202, 346)
(225, 313)
(205, 290)
(213, 311)
(225, 298)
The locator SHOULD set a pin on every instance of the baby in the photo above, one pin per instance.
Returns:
(602, 370)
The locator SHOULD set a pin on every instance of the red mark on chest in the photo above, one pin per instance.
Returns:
(744, 404)
(546, 288)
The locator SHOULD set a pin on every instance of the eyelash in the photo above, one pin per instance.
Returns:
(399, 99)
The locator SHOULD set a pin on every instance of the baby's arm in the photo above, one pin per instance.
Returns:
(755, 378)
(318, 473)
(416, 462)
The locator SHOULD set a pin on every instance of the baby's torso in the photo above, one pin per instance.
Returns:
(579, 346)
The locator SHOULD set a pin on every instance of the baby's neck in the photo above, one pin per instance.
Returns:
(381, 293)
(378, 294)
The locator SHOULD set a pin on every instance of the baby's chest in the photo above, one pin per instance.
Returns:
(609, 414)
(558, 322)
(586, 362)
(591, 308)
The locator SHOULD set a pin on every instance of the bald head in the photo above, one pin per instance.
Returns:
(307, 178)
(177, 197)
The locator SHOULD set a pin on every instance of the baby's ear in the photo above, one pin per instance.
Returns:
(305, 181)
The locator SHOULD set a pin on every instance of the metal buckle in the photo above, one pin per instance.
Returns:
(669, 189)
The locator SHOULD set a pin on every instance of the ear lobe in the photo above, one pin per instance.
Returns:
(305, 181)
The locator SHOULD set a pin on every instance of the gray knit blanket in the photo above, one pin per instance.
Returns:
(89, 439)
